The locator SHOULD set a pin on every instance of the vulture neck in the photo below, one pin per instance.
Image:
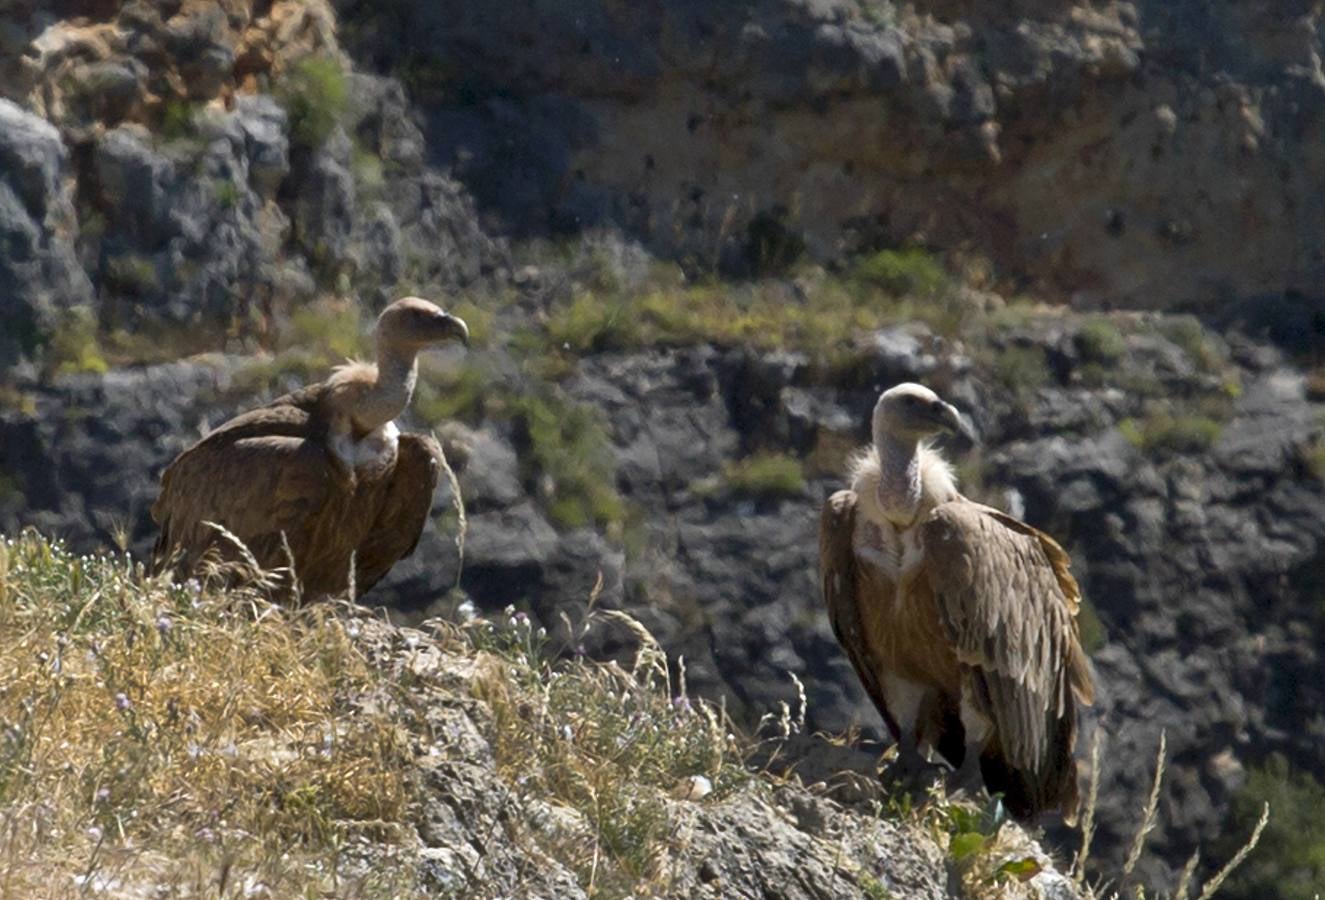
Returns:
(901, 487)
(397, 370)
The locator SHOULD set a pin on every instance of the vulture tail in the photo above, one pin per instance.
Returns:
(1028, 794)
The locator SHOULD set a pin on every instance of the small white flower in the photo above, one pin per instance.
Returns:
(696, 787)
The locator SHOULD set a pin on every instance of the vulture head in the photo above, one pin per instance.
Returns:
(413, 323)
(912, 412)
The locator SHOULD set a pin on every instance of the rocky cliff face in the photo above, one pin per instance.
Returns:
(1136, 154)
(167, 171)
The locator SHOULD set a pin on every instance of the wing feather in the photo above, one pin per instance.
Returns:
(1008, 602)
(255, 477)
(841, 582)
(403, 509)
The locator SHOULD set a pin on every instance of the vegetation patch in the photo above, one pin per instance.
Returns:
(133, 274)
(1166, 435)
(168, 734)
(607, 742)
(178, 120)
(316, 338)
(766, 476)
(1188, 333)
(567, 454)
(1100, 342)
(908, 272)
(315, 95)
(1090, 627)
(1291, 864)
(1313, 456)
(73, 346)
(1021, 369)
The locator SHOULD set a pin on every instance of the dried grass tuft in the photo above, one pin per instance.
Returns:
(210, 726)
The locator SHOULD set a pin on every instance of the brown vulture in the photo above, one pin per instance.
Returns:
(959, 619)
(319, 481)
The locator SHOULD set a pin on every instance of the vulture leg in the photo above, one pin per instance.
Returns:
(403, 510)
(969, 778)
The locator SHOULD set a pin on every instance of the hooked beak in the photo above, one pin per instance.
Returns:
(454, 328)
(955, 423)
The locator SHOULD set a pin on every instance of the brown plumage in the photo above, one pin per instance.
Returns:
(958, 618)
(321, 477)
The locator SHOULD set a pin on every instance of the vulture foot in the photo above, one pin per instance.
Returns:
(912, 774)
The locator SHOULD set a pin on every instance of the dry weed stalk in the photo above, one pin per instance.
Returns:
(1149, 819)
(1150, 814)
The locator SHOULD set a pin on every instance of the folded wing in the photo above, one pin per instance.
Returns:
(1008, 603)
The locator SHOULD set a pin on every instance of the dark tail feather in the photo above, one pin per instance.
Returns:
(1027, 794)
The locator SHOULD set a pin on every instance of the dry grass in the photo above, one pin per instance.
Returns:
(607, 743)
(175, 737)
(819, 314)
(1120, 887)
(181, 740)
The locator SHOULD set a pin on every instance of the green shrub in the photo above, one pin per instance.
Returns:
(909, 272)
(317, 337)
(1166, 435)
(227, 193)
(1099, 341)
(766, 476)
(593, 324)
(1313, 455)
(74, 345)
(333, 330)
(1021, 369)
(178, 120)
(133, 274)
(1188, 333)
(446, 393)
(1289, 864)
(368, 169)
(569, 456)
(1093, 633)
(315, 96)
(772, 246)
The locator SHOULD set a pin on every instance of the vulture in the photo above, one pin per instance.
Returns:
(960, 620)
(319, 482)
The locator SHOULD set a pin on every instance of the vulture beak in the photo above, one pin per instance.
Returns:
(954, 422)
(452, 328)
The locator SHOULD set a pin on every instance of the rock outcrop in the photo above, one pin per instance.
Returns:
(40, 273)
(1135, 154)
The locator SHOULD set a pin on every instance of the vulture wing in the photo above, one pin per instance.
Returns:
(1008, 602)
(258, 476)
(841, 582)
(404, 507)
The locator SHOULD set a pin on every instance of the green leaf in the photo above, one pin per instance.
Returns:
(1021, 869)
(966, 843)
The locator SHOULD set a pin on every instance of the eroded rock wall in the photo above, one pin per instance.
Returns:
(1112, 153)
